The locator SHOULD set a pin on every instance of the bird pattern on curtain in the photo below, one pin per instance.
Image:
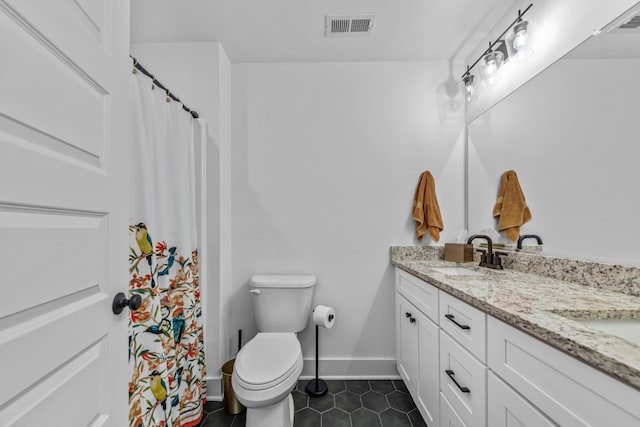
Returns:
(166, 346)
(166, 341)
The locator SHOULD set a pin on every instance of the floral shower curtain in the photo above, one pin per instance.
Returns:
(166, 350)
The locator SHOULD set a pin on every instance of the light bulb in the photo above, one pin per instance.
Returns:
(491, 67)
(469, 87)
(470, 93)
(520, 40)
(468, 90)
(520, 35)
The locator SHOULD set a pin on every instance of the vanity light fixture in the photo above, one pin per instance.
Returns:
(519, 41)
(469, 86)
(500, 50)
(521, 37)
(490, 67)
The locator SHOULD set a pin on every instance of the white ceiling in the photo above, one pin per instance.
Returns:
(293, 30)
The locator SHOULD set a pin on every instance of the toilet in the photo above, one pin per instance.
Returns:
(267, 368)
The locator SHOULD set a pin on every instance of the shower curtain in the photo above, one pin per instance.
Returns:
(166, 350)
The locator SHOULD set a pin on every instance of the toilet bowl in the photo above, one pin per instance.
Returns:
(267, 368)
(266, 371)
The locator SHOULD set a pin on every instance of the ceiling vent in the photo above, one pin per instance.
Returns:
(349, 25)
(628, 22)
(631, 24)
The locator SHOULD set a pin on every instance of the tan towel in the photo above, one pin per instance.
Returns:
(511, 207)
(426, 211)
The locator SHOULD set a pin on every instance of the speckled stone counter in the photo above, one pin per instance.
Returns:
(540, 306)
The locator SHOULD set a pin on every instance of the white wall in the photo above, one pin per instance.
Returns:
(199, 74)
(559, 26)
(571, 135)
(325, 160)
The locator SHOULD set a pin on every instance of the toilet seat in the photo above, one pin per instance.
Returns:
(267, 368)
(267, 360)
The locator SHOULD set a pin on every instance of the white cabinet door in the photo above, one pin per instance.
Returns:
(407, 342)
(448, 417)
(63, 211)
(428, 381)
(568, 391)
(506, 408)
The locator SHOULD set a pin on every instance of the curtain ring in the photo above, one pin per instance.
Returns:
(135, 63)
(168, 99)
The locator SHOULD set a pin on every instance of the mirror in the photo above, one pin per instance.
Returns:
(572, 134)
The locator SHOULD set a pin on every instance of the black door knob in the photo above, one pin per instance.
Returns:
(120, 301)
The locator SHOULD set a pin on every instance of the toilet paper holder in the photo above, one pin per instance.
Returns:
(322, 316)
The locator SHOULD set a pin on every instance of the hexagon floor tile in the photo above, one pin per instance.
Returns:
(349, 403)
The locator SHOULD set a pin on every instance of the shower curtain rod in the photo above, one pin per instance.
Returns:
(143, 70)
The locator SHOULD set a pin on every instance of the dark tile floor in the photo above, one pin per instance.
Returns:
(348, 404)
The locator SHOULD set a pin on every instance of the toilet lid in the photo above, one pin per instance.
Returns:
(282, 281)
(267, 359)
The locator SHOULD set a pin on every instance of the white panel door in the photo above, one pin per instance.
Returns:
(427, 397)
(407, 342)
(63, 211)
(506, 408)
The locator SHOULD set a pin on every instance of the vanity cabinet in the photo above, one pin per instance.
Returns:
(466, 368)
(433, 365)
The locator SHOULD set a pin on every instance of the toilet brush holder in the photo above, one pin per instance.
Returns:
(317, 387)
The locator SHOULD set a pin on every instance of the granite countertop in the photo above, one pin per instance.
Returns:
(544, 307)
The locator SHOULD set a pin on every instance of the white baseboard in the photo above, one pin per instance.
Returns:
(351, 369)
(214, 388)
(330, 369)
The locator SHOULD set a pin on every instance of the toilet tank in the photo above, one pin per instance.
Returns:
(281, 303)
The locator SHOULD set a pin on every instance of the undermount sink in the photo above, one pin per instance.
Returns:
(627, 329)
(456, 271)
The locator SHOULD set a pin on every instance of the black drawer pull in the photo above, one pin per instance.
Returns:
(412, 319)
(407, 314)
(451, 317)
(451, 374)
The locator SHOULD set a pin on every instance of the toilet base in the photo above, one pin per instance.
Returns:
(280, 414)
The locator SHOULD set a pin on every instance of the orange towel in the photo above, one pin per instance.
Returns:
(511, 207)
(426, 211)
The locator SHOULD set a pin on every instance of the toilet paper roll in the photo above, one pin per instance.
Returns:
(324, 316)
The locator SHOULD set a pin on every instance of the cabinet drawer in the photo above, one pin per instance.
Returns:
(448, 417)
(506, 408)
(568, 391)
(463, 381)
(465, 324)
(421, 294)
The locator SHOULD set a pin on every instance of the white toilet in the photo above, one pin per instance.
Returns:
(267, 367)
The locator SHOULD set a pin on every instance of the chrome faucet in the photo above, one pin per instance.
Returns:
(488, 258)
(528, 236)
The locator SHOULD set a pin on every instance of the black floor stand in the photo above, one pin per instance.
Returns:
(317, 387)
